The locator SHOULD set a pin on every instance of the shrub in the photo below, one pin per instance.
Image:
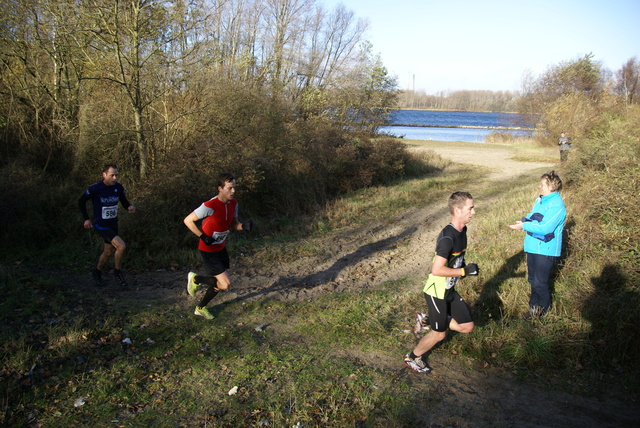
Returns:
(604, 242)
(34, 209)
(575, 114)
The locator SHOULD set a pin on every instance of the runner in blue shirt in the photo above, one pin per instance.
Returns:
(105, 196)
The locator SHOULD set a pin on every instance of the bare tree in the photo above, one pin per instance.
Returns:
(341, 35)
(40, 81)
(138, 43)
(628, 81)
(117, 78)
(295, 45)
(284, 33)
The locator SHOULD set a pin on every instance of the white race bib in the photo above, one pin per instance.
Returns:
(219, 237)
(109, 212)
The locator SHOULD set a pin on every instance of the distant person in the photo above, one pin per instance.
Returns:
(219, 216)
(565, 145)
(543, 242)
(105, 196)
(446, 309)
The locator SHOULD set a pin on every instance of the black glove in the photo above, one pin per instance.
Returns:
(471, 269)
(207, 239)
(247, 225)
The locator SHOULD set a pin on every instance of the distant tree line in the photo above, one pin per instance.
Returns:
(583, 76)
(494, 101)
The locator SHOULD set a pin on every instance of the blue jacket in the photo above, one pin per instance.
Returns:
(544, 225)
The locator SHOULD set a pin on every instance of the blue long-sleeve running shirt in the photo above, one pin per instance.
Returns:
(105, 203)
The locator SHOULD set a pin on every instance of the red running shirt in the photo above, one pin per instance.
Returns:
(216, 217)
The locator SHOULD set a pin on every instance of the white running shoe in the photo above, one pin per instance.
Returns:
(416, 365)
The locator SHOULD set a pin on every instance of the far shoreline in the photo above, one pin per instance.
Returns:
(499, 128)
(452, 110)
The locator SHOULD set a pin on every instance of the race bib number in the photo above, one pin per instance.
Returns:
(219, 237)
(109, 212)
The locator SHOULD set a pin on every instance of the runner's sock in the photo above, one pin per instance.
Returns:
(210, 294)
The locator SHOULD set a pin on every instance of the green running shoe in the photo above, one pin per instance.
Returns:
(203, 312)
(191, 284)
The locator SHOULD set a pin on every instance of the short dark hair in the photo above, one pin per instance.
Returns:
(555, 183)
(225, 177)
(109, 165)
(458, 199)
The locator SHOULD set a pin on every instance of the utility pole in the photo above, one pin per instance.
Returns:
(413, 92)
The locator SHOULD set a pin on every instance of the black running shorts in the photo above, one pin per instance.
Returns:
(106, 233)
(215, 263)
(440, 309)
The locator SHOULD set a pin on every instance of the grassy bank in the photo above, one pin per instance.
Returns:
(331, 361)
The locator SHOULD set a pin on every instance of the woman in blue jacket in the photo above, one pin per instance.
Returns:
(543, 241)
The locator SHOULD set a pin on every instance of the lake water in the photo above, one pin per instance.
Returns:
(450, 125)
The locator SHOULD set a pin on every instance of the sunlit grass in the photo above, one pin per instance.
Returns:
(64, 339)
(531, 151)
(375, 204)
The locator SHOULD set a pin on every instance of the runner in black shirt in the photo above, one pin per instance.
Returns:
(447, 310)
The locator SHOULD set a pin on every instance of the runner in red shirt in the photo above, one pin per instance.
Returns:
(219, 216)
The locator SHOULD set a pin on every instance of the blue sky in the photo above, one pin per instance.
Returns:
(490, 44)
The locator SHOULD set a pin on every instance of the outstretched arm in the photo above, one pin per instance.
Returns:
(548, 224)
(516, 226)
